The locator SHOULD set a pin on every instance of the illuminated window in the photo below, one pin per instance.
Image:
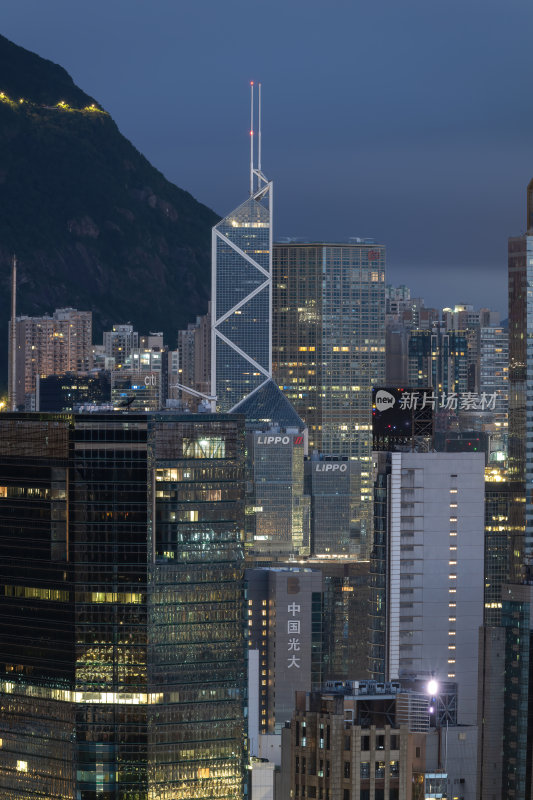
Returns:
(22, 766)
(193, 515)
(209, 447)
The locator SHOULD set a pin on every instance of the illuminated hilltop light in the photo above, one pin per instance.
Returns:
(62, 105)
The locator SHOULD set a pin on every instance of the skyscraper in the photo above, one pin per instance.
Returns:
(241, 285)
(329, 345)
(121, 611)
(438, 359)
(521, 384)
(427, 570)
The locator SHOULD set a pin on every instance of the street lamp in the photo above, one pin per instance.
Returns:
(432, 690)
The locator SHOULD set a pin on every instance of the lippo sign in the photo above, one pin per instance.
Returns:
(329, 467)
(445, 401)
(279, 439)
(270, 439)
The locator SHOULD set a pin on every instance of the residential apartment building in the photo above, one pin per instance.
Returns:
(50, 346)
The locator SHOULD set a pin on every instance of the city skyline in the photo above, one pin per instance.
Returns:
(379, 121)
(290, 556)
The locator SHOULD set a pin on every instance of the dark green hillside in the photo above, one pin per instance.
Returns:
(93, 224)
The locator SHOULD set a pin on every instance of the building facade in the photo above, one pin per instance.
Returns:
(50, 346)
(438, 359)
(494, 369)
(358, 740)
(334, 486)
(427, 570)
(285, 630)
(329, 346)
(119, 343)
(241, 297)
(278, 512)
(521, 387)
(121, 614)
(194, 347)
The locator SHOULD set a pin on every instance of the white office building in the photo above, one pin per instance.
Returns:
(435, 570)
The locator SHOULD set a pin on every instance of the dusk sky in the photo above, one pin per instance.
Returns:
(410, 121)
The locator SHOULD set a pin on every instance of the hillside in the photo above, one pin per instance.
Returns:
(93, 224)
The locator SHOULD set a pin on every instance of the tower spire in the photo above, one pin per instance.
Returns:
(259, 131)
(251, 137)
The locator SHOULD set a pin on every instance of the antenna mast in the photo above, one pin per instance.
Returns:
(259, 134)
(251, 137)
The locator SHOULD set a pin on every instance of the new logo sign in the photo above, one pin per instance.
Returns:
(384, 400)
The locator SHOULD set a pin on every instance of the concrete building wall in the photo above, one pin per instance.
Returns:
(285, 618)
(438, 556)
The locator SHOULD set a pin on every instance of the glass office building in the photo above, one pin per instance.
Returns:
(438, 359)
(121, 607)
(521, 388)
(329, 346)
(242, 300)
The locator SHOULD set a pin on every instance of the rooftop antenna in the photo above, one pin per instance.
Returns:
(251, 137)
(259, 133)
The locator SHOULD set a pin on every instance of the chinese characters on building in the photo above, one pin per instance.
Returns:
(293, 631)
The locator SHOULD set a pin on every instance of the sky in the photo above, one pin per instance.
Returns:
(410, 121)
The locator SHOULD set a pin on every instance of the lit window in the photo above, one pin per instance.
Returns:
(22, 766)
(210, 447)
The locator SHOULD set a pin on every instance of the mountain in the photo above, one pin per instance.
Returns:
(93, 224)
